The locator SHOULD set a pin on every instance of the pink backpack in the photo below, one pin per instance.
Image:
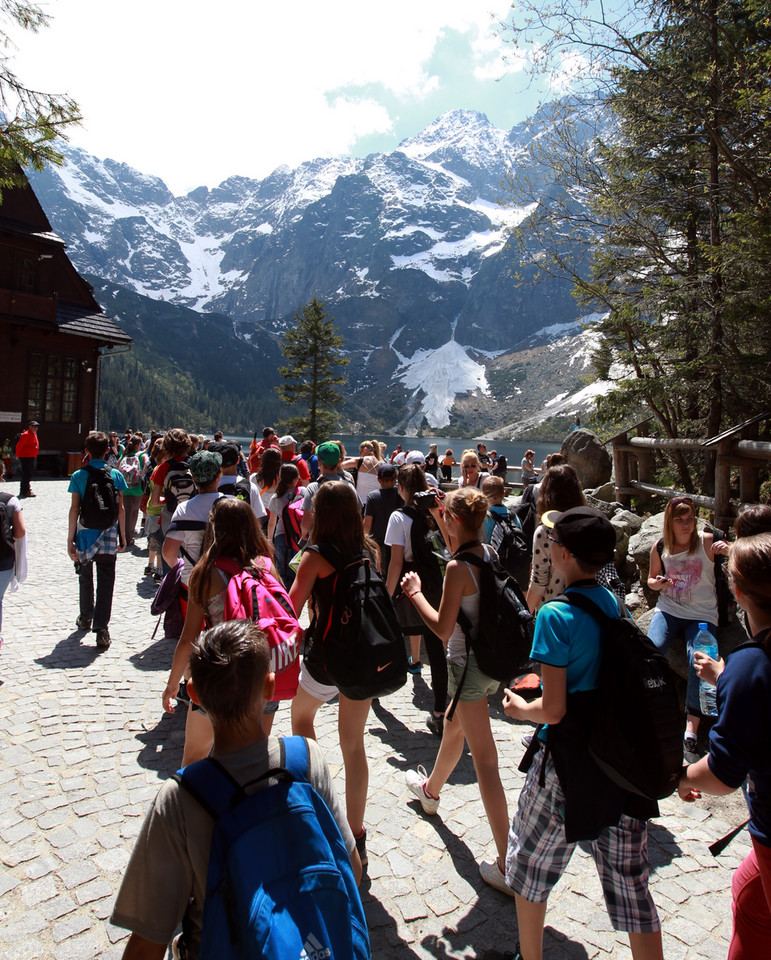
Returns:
(257, 595)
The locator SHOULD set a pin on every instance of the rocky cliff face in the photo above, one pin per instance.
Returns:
(411, 252)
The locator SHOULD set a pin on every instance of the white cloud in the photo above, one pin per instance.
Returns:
(194, 91)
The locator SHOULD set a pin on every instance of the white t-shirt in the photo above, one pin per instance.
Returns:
(196, 509)
(398, 532)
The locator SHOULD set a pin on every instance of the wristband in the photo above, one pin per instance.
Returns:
(413, 594)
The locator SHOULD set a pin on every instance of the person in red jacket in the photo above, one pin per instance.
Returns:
(27, 449)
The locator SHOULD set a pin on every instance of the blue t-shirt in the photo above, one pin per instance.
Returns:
(85, 537)
(740, 741)
(568, 637)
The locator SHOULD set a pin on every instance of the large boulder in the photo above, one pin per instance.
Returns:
(586, 453)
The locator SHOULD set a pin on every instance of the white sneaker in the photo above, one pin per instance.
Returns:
(491, 874)
(415, 782)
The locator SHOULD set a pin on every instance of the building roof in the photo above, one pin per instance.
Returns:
(81, 322)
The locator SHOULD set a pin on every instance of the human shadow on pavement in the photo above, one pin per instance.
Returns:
(383, 936)
(662, 846)
(163, 744)
(76, 650)
(157, 657)
(147, 588)
(416, 746)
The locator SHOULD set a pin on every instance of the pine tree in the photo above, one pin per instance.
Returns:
(30, 120)
(675, 205)
(313, 351)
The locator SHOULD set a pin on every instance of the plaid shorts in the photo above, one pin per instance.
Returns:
(538, 853)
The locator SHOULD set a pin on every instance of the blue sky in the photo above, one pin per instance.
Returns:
(194, 91)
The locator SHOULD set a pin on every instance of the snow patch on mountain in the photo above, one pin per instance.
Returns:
(440, 375)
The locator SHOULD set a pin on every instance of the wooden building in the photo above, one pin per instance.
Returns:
(53, 333)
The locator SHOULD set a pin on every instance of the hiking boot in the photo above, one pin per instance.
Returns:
(361, 848)
(149, 571)
(436, 724)
(491, 874)
(103, 638)
(83, 623)
(414, 666)
(416, 782)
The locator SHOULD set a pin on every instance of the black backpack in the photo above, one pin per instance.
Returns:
(178, 485)
(241, 489)
(7, 547)
(100, 502)
(508, 540)
(430, 556)
(504, 638)
(359, 648)
(636, 735)
(726, 605)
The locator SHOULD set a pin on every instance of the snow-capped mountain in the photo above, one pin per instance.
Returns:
(410, 251)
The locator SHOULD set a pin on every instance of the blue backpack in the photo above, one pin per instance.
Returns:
(279, 883)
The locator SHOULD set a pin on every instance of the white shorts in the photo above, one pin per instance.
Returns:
(318, 690)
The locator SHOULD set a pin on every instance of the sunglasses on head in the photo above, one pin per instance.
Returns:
(676, 501)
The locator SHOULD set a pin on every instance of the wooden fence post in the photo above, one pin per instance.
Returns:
(749, 475)
(722, 481)
(621, 469)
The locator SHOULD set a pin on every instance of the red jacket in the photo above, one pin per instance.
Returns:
(28, 445)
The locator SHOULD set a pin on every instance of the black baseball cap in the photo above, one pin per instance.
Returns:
(585, 532)
(228, 452)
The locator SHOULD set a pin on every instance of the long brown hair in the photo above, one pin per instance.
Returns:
(233, 531)
(678, 508)
(560, 490)
(749, 568)
(412, 480)
(337, 518)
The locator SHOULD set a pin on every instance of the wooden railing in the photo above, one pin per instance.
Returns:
(633, 463)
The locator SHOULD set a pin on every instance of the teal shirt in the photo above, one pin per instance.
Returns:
(84, 537)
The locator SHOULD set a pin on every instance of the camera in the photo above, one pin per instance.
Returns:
(426, 499)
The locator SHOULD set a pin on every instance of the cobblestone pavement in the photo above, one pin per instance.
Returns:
(86, 745)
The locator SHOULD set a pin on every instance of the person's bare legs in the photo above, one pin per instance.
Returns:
(304, 708)
(475, 722)
(415, 648)
(352, 718)
(646, 946)
(450, 752)
(530, 922)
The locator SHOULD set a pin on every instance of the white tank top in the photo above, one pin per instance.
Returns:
(692, 593)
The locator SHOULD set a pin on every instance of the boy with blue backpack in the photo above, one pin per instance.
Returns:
(248, 849)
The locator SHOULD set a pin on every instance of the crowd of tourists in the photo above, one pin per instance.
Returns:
(242, 542)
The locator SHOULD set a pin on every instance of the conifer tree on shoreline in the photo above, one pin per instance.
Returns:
(313, 351)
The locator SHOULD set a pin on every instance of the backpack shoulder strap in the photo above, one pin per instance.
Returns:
(294, 757)
(590, 607)
(228, 565)
(331, 554)
(208, 782)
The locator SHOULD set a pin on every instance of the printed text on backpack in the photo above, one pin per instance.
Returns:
(254, 594)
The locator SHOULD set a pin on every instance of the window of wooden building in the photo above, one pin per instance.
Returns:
(52, 392)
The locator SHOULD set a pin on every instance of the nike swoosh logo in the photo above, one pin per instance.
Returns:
(384, 666)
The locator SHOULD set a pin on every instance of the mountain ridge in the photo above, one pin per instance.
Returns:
(411, 251)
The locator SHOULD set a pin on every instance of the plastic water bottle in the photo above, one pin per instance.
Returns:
(707, 644)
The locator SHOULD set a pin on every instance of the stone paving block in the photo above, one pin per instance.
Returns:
(94, 890)
(70, 927)
(58, 907)
(78, 873)
(39, 891)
